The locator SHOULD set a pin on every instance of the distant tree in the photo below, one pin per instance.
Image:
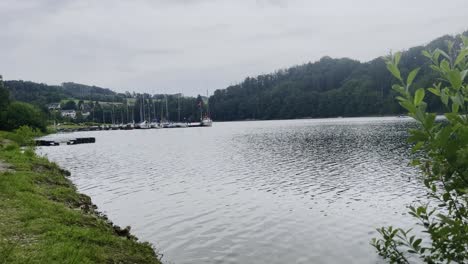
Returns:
(23, 114)
(80, 105)
(69, 105)
(4, 95)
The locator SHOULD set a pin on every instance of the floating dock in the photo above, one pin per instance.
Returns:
(75, 141)
(120, 127)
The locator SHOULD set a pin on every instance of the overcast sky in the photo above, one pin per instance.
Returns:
(192, 46)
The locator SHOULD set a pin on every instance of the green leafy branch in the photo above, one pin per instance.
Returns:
(443, 160)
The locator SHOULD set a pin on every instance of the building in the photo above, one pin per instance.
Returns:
(54, 106)
(69, 113)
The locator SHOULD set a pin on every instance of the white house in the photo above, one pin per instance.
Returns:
(69, 113)
(54, 106)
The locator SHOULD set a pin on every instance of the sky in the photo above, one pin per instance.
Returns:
(195, 46)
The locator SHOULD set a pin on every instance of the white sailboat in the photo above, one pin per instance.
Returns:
(144, 125)
(205, 120)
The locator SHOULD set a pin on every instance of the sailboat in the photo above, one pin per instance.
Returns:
(179, 124)
(143, 123)
(165, 122)
(205, 120)
(152, 124)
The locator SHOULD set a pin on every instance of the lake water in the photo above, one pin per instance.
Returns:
(296, 191)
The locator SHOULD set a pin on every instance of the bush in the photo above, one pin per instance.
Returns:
(22, 114)
(24, 136)
(443, 159)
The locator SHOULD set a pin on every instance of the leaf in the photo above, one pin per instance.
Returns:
(453, 118)
(417, 242)
(454, 78)
(445, 219)
(426, 53)
(463, 74)
(415, 149)
(411, 76)
(458, 99)
(461, 56)
(443, 54)
(444, 65)
(408, 106)
(394, 70)
(435, 68)
(455, 107)
(446, 197)
(397, 58)
(430, 118)
(450, 46)
(465, 40)
(444, 96)
(434, 91)
(398, 88)
(419, 96)
(417, 136)
(401, 99)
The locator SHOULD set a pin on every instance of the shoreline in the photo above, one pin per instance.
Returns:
(44, 219)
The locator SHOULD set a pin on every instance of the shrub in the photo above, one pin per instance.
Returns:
(22, 114)
(24, 136)
(443, 159)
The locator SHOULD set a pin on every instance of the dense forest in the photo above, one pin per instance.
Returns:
(326, 88)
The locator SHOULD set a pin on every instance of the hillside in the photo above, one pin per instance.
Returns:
(326, 88)
(41, 94)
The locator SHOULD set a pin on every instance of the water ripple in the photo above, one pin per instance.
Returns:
(263, 192)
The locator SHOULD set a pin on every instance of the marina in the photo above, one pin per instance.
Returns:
(206, 122)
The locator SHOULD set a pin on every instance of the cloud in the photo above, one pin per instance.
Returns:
(190, 46)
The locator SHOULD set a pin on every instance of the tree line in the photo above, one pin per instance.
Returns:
(326, 88)
(14, 114)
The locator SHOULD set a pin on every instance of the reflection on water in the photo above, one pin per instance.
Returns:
(299, 191)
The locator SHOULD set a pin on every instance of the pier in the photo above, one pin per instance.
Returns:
(75, 141)
(124, 127)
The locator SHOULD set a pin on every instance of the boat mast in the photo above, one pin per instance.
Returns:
(207, 104)
(144, 114)
(149, 110)
(141, 111)
(167, 110)
(162, 111)
(178, 108)
(154, 106)
(201, 110)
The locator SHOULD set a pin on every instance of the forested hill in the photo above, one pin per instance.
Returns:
(41, 94)
(326, 88)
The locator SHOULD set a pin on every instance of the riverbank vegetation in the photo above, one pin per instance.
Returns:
(43, 219)
(442, 156)
(14, 114)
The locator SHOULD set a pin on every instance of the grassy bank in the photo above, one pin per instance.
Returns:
(44, 220)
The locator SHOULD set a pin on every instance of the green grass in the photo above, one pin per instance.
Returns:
(43, 219)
